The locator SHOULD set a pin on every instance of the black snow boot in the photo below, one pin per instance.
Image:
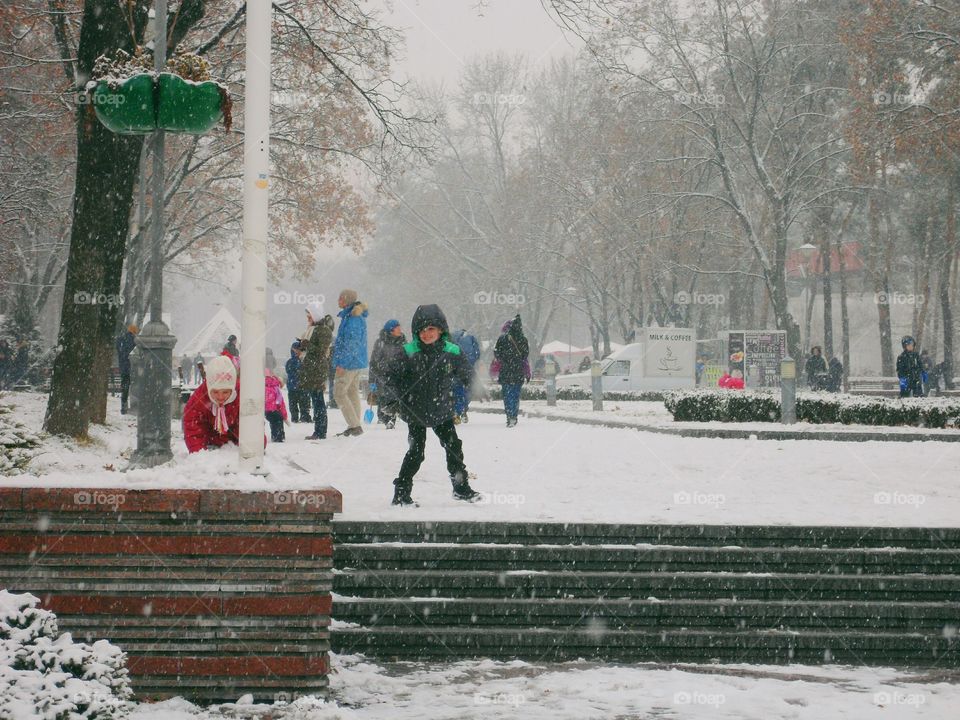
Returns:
(401, 493)
(462, 489)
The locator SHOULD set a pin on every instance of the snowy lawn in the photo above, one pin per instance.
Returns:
(487, 690)
(553, 471)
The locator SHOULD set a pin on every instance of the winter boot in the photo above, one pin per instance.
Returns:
(511, 422)
(401, 493)
(464, 418)
(462, 489)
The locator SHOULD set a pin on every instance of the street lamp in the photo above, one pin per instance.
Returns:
(155, 341)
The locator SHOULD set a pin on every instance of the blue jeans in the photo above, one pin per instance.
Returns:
(461, 399)
(511, 399)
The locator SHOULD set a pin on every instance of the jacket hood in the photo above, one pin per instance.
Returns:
(327, 321)
(358, 308)
(426, 315)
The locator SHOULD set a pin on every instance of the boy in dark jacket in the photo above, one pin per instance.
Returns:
(299, 399)
(422, 380)
(910, 370)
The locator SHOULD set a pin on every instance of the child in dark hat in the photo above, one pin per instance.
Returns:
(422, 380)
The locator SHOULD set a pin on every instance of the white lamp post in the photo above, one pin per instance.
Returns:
(256, 181)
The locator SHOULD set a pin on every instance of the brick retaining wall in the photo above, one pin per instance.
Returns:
(212, 593)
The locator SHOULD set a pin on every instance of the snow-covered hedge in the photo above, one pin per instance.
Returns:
(18, 444)
(714, 404)
(47, 676)
(538, 392)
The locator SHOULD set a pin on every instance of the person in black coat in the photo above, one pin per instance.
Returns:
(387, 348)
(126, 342)
(835, 380)
(511, 352)
(422, 381)
(910, 369)
(815, 368)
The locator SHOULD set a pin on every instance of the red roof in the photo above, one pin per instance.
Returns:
(798, 265)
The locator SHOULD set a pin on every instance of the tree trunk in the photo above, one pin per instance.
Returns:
(946, 264)
(103, 194)
(844, 317)
(826, 267)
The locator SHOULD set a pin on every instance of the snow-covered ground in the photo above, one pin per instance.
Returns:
(554, 471)
(488, 690)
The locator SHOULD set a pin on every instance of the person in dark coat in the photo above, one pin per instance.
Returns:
(387, 348)
(126, 343)
(471, 350)
(910, 369)
(186, 368)
(511, 352)
(835, 373)
(299, 399)
(422, 379)
(231, 347)
(316, 343)
(815, 368)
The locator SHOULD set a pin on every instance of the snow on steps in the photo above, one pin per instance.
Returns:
(865, 596)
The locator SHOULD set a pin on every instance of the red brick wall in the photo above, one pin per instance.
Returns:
(212, 593)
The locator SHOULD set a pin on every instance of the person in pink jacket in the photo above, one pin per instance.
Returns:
(274, 406)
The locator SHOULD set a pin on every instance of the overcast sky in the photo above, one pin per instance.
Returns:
(442, 34)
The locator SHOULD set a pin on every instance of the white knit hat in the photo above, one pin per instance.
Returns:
(221, 374)
(316, 311)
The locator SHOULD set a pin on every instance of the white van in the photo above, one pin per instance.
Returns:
(668, 364)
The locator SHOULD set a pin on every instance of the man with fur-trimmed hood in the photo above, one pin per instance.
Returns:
(349, 358)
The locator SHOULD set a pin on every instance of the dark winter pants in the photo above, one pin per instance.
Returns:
(511, 399)
(914, 388)
(299, 405)
(417, 439)
(319, 414)
(275, 418)
(124, 391)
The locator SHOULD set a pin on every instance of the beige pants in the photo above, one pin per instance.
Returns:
(346, 391)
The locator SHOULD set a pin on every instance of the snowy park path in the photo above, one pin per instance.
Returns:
(556, 472)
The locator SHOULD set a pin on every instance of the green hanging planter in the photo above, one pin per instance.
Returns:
(188, 107)
(136, 106)
(127, 107)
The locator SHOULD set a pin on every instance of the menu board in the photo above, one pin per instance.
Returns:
(764, 351)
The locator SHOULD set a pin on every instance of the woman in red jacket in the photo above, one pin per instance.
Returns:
(212, 415)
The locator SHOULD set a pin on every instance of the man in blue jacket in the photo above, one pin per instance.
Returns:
(349, 358)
